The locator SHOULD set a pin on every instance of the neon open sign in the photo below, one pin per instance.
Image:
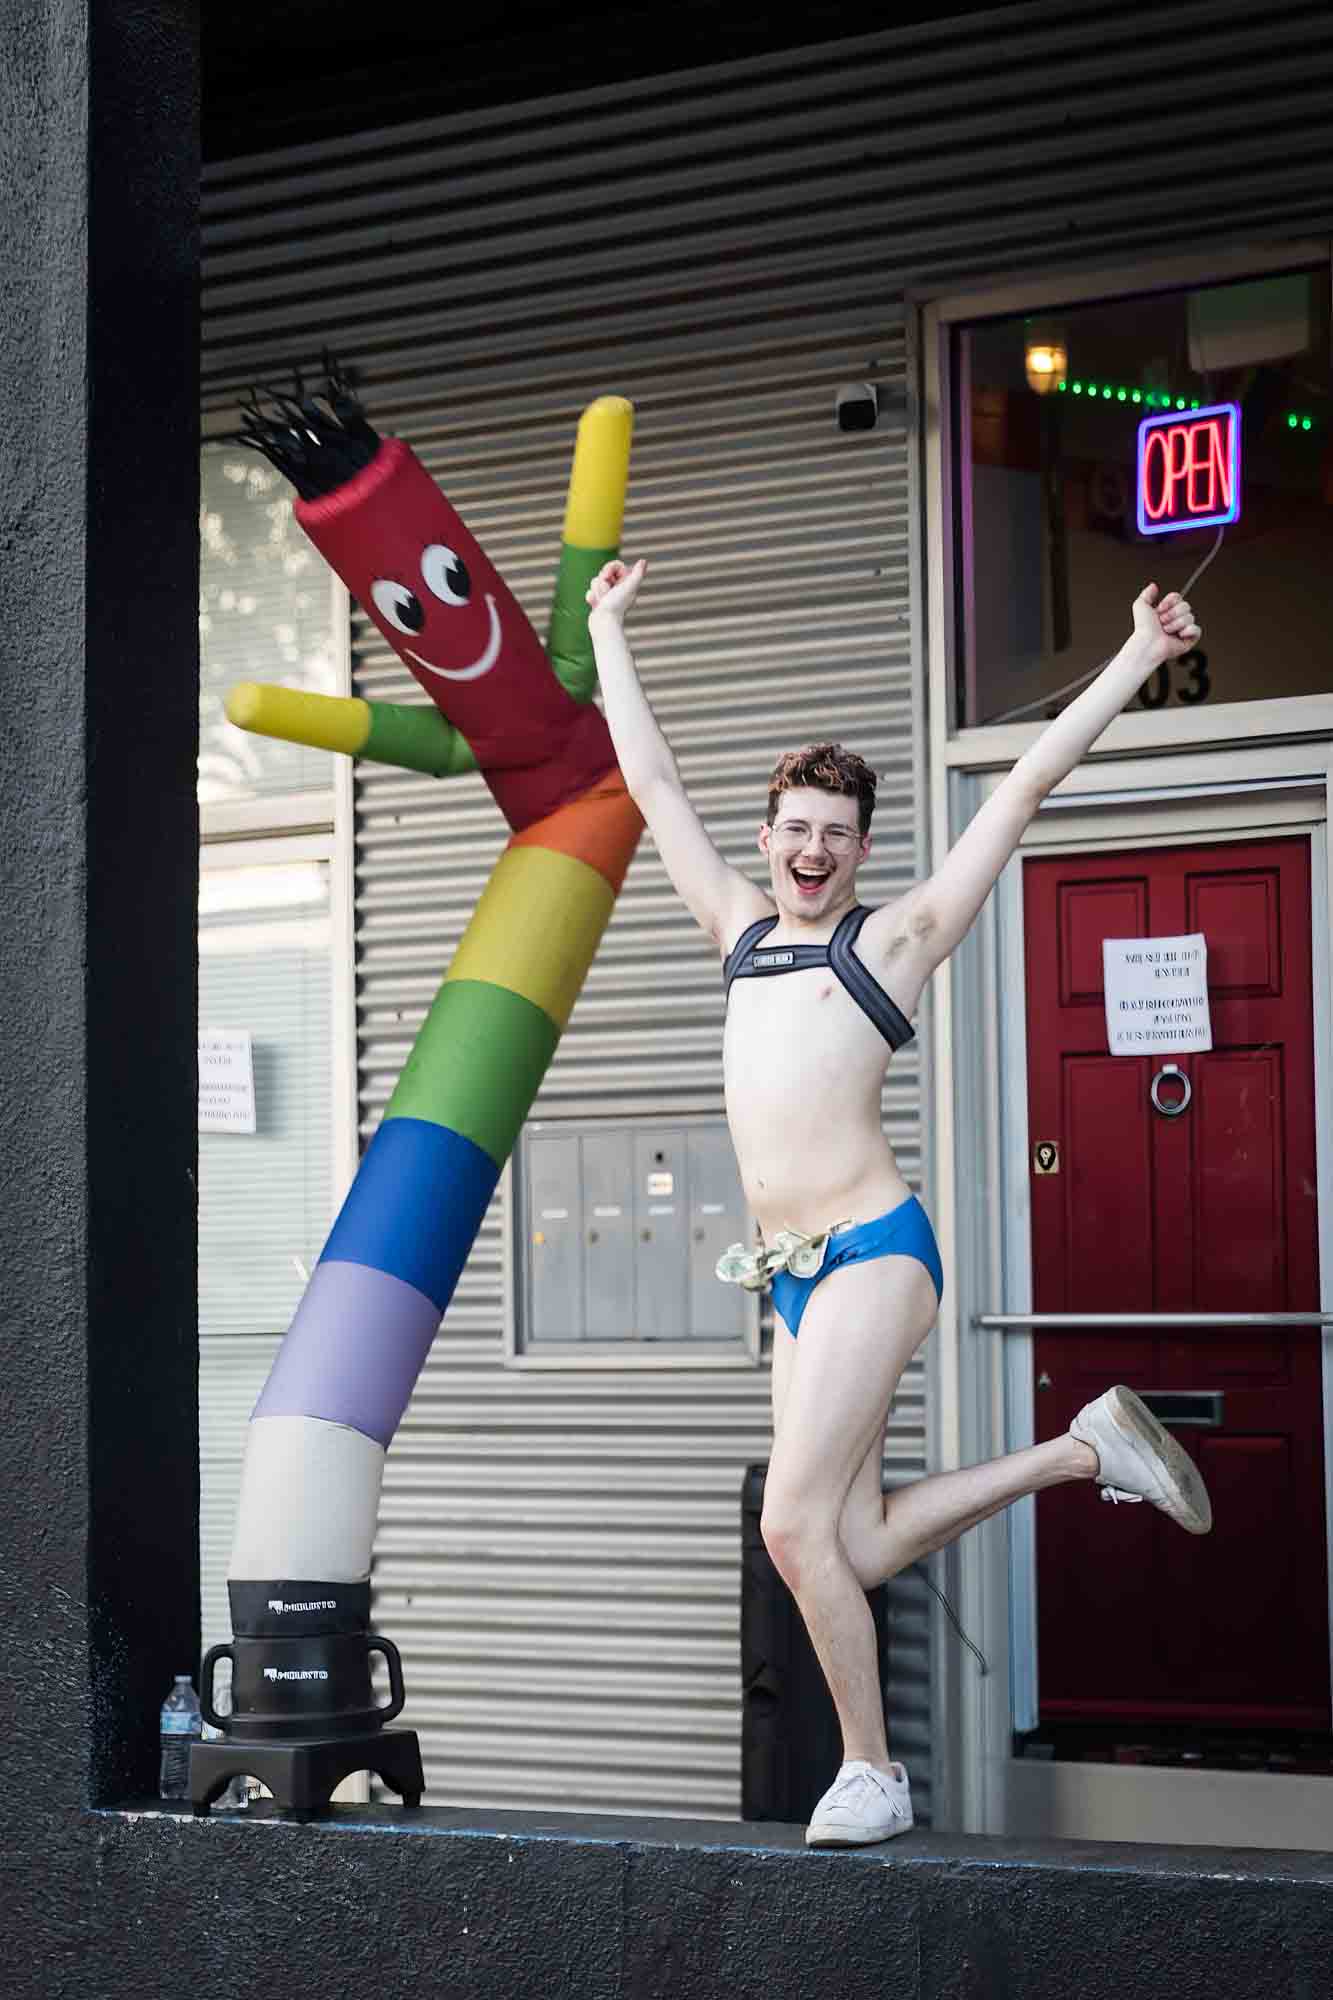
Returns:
(1189, 470)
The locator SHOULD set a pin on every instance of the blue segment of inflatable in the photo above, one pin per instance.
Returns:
(415, 1206)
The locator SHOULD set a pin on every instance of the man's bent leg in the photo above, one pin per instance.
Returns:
(917, 1520)
(860, 1329)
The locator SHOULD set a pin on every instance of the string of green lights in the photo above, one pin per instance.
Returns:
(1158, 399)
(1151, 399)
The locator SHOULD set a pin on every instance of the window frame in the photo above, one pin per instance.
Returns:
(947, 545)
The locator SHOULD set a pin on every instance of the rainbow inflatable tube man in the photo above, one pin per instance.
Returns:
(522, 714)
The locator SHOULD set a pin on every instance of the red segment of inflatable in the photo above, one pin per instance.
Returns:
(433, 593)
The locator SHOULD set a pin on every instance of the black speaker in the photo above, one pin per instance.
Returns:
(791, 1746)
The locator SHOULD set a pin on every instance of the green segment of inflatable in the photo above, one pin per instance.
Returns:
(476, 1064)
(416, 739)
(567, 643)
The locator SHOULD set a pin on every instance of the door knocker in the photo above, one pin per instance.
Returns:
(1172, 1110)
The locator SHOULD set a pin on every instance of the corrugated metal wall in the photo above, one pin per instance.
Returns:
(558, 1554)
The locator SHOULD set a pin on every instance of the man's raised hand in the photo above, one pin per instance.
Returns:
(614, 588)
(1167, 629)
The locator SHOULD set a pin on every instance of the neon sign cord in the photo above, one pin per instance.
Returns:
(1072, 687)
(952, 1615)
(1194, 575)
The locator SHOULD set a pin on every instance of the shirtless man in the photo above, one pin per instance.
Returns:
(805, 1057)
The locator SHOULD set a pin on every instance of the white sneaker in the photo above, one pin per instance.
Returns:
(1138, 1460)
(861, 1806)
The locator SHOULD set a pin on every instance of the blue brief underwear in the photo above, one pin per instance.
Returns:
(904, 1232)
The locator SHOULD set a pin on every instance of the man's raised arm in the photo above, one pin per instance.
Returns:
(918, 933)
(721, 900)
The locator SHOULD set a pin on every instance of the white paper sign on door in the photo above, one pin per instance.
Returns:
(226, 1080)
(1156, 995)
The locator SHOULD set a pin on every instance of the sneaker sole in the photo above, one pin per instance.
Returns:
(1186, 1499)
(816, 1839)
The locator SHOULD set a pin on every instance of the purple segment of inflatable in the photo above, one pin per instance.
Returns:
(353, 1351)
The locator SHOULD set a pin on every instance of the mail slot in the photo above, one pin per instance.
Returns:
(1200, 1407)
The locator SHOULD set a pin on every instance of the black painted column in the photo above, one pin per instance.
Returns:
(99, 1591)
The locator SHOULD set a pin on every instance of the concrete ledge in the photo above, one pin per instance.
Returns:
(464, 1903)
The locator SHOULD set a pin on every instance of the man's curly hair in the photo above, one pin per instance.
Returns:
(826, 767)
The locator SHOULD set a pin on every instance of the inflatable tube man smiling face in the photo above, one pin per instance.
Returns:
(376, 515)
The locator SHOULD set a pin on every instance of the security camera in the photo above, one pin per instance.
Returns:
(856, 406)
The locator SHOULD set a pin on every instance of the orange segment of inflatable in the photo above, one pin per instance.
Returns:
(602, 828)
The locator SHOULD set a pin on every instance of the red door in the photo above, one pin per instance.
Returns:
(1210, 1210)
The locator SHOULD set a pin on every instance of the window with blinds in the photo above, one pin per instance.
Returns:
(265, 614)
(264, 1196)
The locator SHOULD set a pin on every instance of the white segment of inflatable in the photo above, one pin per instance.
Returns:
(310, 1495)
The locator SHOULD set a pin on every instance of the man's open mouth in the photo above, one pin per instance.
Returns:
(808, 879)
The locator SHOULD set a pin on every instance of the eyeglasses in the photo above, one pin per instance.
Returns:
(791, 834)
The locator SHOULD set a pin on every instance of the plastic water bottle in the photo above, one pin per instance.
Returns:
(181, 1724)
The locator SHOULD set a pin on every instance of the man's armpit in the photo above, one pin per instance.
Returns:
(904, 928)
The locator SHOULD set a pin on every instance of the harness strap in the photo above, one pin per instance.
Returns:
(746, 961)
(862, 984)
(741, 950)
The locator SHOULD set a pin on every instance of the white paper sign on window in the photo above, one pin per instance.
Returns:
(226, 1080)
(1156, 995)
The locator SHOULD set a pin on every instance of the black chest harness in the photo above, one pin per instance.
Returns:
(747, 961)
